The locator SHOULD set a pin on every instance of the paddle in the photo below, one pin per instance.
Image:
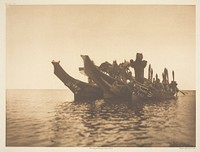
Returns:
(166, 74)
(182, 92)
(173, 75)
(149, 72)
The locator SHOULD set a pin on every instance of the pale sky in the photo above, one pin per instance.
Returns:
(36, 35)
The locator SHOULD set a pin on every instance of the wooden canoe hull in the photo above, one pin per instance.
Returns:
(82, 91)
(113, 89)
(117, 90)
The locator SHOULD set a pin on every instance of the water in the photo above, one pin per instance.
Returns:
(46, 118)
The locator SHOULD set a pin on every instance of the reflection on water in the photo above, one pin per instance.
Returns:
(47, 120)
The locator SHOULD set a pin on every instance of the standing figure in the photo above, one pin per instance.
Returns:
(139, 66)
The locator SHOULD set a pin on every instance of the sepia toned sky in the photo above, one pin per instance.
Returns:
(36, 35)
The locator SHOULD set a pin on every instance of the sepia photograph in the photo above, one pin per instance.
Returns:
(100, 75)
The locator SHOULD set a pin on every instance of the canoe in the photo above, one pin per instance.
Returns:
(82, 91)
(113, 89)
(148, 93)
(104, 86)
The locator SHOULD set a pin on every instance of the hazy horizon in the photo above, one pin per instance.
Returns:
(36, 35)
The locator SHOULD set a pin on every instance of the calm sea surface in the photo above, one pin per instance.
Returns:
(48, 118)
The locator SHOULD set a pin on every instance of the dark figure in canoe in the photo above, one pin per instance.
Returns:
(120, 72)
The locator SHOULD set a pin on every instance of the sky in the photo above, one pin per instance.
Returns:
(38, 34)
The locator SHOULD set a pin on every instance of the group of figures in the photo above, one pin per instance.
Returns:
(123, 73)
(120, 72)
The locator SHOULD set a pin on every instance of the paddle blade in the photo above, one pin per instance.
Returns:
(173, 75)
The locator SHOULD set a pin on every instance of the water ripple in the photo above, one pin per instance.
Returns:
(39, 118)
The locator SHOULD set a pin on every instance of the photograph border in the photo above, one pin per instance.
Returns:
(3, 5)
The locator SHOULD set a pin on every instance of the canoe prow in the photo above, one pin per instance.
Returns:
(81, 90)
